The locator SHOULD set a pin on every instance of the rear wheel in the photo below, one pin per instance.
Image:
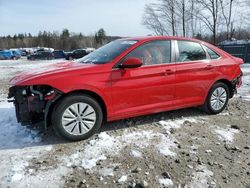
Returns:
(217, 98)
(77, 117)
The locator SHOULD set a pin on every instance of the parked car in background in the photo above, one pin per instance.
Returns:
(4, 55)
(59, 54)
(40, 49)
(76, 54)
(127, 78)
(41, 55)
(28, 51)
(89, 50)
(23, 52)
(7, 55)
(16, 53)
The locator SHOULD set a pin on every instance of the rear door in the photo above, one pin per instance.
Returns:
(146, 89)
(194, 73)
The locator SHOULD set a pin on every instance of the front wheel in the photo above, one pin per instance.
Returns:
(217, 98)
(77, 117)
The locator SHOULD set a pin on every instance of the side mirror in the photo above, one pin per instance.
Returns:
(131, 62)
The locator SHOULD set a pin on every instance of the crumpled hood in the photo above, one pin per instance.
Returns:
(48, 70)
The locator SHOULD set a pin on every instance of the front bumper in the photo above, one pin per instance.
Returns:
(29, 108)
(32, 105)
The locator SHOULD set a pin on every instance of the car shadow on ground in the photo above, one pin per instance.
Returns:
(152, 119)
(17, 136)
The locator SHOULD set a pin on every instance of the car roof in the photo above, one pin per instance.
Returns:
(150, 38)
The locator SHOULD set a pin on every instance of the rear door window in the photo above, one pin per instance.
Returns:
(190, 51)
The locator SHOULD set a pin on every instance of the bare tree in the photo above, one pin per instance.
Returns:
(181, 12)
(171, 17)
(209, 15)
(153, 22)
(226, 9)
(159, 16)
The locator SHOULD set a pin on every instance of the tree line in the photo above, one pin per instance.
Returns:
(211, 20)
(64, 40)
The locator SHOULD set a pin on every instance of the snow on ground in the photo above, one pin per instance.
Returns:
(244, 91)
(166, 182)
(123, 179)
(226, 135)
(12, 134)
(176, 124)
(18, 145)
(202, 178)
(106, 145)
(136, 153)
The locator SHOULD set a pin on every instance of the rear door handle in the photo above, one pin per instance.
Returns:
(168, 72)
(209, 67)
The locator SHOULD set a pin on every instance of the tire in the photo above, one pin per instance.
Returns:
(77, 117)
(217, 98)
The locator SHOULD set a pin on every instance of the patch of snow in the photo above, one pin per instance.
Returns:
(14, 164)
(136, 153)
(19, 145)
(226, 135)
(90, 163)
(12, 134)
(106, 172)
(105, 145)
(224, 114)
(208, 151)
(122, 179)
(202, 178)
(165, 146)
(166, 182)
(175, 123)
(244, 91)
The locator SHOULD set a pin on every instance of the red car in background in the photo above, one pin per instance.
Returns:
(126, 78)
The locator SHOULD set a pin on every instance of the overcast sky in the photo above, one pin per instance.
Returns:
(117, 17)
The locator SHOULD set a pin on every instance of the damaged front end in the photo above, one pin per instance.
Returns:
(32, 103)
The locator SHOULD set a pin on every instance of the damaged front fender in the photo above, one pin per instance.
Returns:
(32, 103)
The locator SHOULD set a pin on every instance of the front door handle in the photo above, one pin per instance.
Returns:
(168, 72)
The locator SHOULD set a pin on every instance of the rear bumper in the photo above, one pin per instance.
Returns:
(236, 83)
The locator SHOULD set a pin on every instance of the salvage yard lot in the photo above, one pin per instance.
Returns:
(179, 148)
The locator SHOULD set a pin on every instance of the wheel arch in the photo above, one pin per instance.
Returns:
(225, 81)
(229, 84)
(90, 93)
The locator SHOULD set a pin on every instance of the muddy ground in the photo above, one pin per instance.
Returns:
(183, 148)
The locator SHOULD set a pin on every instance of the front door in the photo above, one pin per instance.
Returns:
(146, 89)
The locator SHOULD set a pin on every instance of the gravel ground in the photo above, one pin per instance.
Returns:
(183, 148)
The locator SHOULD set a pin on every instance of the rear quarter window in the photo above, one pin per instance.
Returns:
(211, 53)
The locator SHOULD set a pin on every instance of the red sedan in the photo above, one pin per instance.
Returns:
(126, 78)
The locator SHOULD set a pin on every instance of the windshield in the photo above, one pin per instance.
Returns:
(108, 52)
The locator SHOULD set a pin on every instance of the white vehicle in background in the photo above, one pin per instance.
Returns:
(89, 50)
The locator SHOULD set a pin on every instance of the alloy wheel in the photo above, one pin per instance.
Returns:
(218, 98)
(79, 118)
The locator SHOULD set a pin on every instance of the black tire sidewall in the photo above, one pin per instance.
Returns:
(208, 104)
(64, 104)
